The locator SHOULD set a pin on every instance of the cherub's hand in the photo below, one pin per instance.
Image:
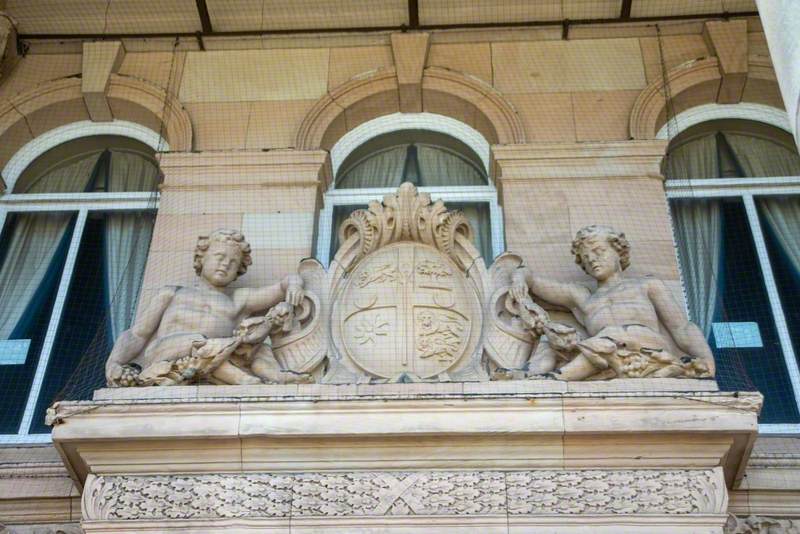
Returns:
(519, 291)
(113, 372)
(294, 290)
(278, 314)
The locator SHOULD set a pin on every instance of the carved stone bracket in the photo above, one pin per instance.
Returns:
(520, 493)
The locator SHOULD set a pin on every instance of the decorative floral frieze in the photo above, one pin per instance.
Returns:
(755, 524)
(187, 496)
(404, 493)
(42, 529)
(432, 493)
(615, 492)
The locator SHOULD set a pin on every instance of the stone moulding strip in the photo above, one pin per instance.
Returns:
(419, 493)
(351, 433)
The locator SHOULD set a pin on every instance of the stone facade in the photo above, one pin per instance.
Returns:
(572, 125)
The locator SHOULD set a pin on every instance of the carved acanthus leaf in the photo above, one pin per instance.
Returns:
(405, 216)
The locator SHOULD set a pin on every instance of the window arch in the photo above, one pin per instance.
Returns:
(734, 189)
(437, 163)
(76, 227)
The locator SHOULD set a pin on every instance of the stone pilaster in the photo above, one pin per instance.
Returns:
(272, 197)
(551, 190)
(781, 22)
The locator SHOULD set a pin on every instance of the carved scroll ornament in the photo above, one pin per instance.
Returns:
(405, 216)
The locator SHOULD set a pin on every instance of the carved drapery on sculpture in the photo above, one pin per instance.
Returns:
(408, 297)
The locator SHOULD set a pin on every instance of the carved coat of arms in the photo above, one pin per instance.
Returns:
(403, 295)
(408, 298)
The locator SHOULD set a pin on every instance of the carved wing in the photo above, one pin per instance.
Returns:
(507, 343)
(303, 348)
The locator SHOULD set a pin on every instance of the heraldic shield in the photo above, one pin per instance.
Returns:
(406, 294)
(406, 298)
(406, 309)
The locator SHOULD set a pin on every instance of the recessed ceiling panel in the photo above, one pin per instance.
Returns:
(591, 9)
(243, 15)
(104, 16)
(448, 12)
(669, 8)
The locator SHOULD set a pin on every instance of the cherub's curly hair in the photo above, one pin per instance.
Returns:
(222, 236)
(616, 239)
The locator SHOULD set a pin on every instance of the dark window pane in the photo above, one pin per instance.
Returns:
(780, 220)
(83, 319)
(15, 380)
(744, 299)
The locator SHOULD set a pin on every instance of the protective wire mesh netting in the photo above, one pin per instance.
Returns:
(101, 223)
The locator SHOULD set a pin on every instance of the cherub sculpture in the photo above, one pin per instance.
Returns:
(207, 332)
(622, 316)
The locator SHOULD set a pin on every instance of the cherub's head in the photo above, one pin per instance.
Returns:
(222, 256)
(601, 251)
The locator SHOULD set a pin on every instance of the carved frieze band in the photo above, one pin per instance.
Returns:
(404, 493)
(756, 524)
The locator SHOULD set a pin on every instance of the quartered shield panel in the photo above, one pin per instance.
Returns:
(406, 309)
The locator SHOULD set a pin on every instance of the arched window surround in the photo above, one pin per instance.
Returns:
(399, 122)
(82, 204)
(747, 189)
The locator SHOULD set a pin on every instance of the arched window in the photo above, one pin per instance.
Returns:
(76, 229)
(734, 188)
(436, 163)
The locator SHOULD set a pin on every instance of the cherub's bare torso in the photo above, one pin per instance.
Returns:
(192, 314)
(211, 313)
(625, 303)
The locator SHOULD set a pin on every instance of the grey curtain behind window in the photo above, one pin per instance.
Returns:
(759, 157)
(34, 242)
(127, 238)
(698, 233)
(698, 229)
(384, 169)
(782, 214)
(693, 160)
(439, 167)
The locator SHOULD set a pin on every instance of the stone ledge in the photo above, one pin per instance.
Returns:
(627, 430)
(647, 386)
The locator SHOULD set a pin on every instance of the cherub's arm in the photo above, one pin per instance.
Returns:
(134, 340)
(685, 333)
(258, 299)
(562, 294)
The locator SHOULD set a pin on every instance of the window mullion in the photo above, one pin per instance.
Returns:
(774, 298)
(55, 319)
(497, 230)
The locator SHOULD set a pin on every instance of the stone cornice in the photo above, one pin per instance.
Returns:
(243, 169)
(308, 433)
(636, 159)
